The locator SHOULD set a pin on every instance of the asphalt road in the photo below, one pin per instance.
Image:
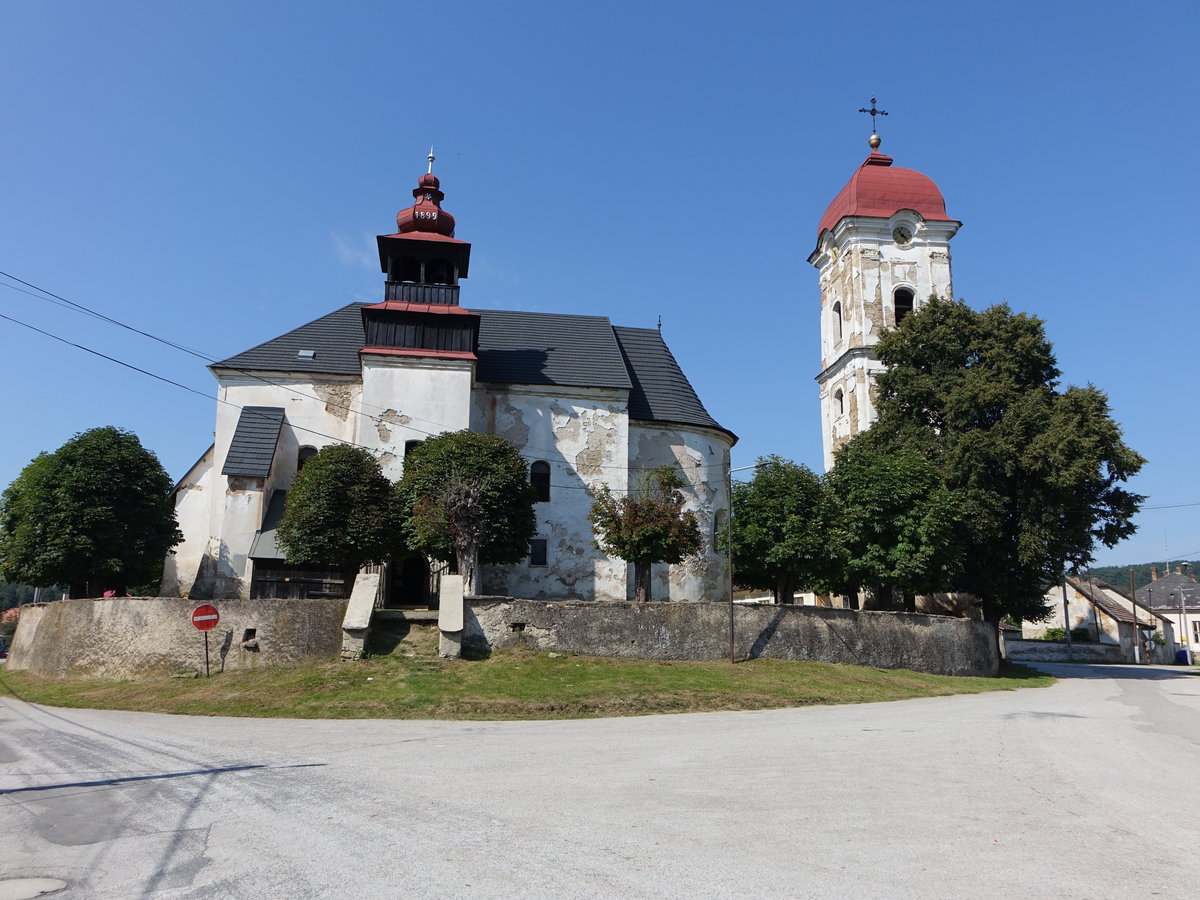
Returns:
(1086, 789)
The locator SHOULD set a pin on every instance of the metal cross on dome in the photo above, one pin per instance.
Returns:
(873, 112)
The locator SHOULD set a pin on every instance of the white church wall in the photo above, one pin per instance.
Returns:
(192, 501)
(584, 435)
(411, 398)
(702, 457)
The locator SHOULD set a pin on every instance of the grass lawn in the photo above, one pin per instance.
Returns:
(411, 682)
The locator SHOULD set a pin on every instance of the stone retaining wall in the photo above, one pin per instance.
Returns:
(127, 636)
(1056, 651)
(699, 630)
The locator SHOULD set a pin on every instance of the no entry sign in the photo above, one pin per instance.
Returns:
(205, 617)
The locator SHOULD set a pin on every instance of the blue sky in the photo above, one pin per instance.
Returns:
(215, 174)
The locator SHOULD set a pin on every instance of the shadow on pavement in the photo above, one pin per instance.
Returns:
(1128, 672)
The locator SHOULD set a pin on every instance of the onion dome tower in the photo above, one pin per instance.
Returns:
(883, 248)
(422, 261)
(419, 353)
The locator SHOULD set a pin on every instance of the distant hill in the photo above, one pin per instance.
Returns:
(1118, 576)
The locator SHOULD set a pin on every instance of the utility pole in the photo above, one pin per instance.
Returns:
(1067, 620)
(1137, 631)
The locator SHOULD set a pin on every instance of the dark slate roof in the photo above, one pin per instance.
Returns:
(264, 546)
(661, 392)
(253, 446)
(1164, 593)
(514, 348)
(335, 339)
(549, 348)
(1095, 591)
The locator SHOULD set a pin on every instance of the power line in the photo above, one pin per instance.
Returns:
(59, 300)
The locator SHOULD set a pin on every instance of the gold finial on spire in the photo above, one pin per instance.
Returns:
(875, 140)
(432, 158)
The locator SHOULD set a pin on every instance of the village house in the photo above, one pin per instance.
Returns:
(1175, 595)
(586, 402)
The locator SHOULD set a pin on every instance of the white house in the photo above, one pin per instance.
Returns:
(587, 403)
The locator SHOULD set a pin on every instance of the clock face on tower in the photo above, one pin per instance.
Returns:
(902, 235)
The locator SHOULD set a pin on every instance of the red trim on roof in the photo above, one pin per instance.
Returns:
(407, 351)
(440, 309)
(423, 236)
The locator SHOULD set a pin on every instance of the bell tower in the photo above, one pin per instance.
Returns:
(883, 247)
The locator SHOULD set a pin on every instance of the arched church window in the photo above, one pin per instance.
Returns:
(903, 301)
(304, 455)
(839, 403)
(539, 477)
(837, 321)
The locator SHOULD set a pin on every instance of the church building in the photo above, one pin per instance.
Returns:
(883, 247)
(585, 402)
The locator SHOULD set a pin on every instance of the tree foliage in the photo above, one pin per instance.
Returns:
(96, 515)
(781, 529)
(898, 527)
(466, 497)
(340, 512)
(1036, 469)
(646, 526)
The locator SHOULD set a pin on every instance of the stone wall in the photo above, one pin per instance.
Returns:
(1056, 651)
(128, 636)
(700, 630)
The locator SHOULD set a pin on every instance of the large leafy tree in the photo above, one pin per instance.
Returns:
(340, 512)
(898, 530)
(648, 525)
(1038, 469)
(781, 529)
(95, 515)
(466, 497)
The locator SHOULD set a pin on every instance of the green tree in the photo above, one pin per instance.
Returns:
(96, 515)
(340, 512)
(646, 526)
(781, 529)
(898, 526)
(1038, 469)
(466, 497)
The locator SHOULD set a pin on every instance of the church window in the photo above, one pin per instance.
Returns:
(839, 403)
(837, 321)
(539, 477)
(903, 301)
(304, 455)
(538, 552)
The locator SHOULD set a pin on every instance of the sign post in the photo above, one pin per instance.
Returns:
(205, 618)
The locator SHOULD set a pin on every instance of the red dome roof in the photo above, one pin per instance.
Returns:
(426, 216)
(879, 189)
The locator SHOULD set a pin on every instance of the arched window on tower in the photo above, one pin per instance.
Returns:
(839, 403)
(539, 477)
(903, 302)
(837, 321)
(303, 455)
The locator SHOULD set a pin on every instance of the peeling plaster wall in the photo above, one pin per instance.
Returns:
(411, 398)
(315, 415)
(583, 434)
(889, 640)
(128, 636)
(192, 501)
(702, 457)
(860, 268)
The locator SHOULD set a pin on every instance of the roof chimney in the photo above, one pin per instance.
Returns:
(1177, 571)
(1154, 573)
